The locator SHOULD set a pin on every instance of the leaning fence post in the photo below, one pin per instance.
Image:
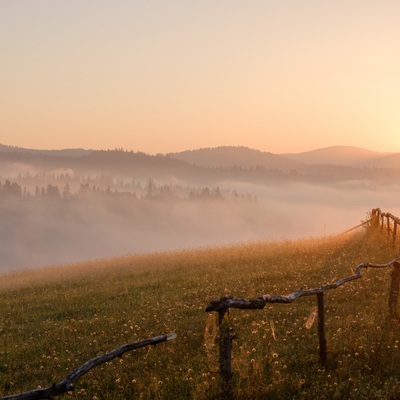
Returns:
(321, 328)
(394, 289)
(225, 354)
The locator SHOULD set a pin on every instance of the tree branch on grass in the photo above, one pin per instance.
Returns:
(66, 384)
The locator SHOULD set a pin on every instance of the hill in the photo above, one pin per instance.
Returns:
(204, 166)
(62, 153)
(230, 156)
(344, 156)
(55, 319)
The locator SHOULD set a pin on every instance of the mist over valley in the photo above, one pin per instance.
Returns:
(66, 206)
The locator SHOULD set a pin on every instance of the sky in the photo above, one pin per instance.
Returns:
(164, 76)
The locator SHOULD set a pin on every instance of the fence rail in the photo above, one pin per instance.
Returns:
(225, 303)
(66, 385)
(386, 221)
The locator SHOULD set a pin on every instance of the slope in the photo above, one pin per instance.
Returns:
(230, 156)
(55, 319)
(340, 155)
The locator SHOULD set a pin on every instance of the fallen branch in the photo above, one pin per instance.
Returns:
(66, 384)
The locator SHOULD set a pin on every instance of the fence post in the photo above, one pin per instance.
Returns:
(394, 289)
(375, 218)
(388, 225)
(394, 233)
(225, 354)
(321, 328)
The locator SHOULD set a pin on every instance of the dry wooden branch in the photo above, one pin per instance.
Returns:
(356, 227)
(66, 384)
(259, 303)
(230, 302)
(309, 292)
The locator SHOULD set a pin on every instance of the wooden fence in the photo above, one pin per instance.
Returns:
(384, 221)
(387, 222)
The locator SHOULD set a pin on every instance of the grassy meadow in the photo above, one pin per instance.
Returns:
(54, 319)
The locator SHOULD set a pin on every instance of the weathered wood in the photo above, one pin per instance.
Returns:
(259, 303)
(223, 304)
(394, 289)
(321, 328)
(229, 302)
(370, 221)
(309, 292)
(66, 384)
(225, 354)
(388, 224)
(375, 215)
(389, 217)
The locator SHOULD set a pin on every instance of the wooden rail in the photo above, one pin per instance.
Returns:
(386, 221)
(66, 384)
(225, 303)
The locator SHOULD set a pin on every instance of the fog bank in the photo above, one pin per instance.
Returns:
(54, 231)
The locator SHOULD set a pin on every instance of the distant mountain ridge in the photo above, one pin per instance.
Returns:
(340, 155)
(230, 156)
(222, 157)
(244, 157)
(64, 152)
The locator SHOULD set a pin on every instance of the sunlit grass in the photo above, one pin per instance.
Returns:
(54, 319)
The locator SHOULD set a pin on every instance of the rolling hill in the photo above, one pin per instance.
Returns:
(55, 319)
(230, 156)
(349, 156)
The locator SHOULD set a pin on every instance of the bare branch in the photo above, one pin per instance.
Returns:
(229, 302)
(259, 303)
(66, 384)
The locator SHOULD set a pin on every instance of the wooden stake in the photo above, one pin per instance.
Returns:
(321, 328)
(394, 289)
(375, 218)
(225, 354)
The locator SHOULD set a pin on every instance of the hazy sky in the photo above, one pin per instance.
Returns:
(170, 75)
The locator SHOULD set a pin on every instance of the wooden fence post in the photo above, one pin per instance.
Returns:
(321, 328)
(394, 233)
(394, 289)
(225, 354)
(375, 218)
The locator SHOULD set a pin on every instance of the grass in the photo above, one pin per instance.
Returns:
(54, 319)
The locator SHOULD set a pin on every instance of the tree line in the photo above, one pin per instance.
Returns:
(150, 191)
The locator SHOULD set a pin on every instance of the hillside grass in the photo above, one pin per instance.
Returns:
(54, 319)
